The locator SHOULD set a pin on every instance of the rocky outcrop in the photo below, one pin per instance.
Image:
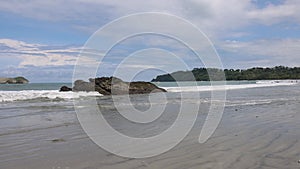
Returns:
(80, 85)
(116, 86)
(65, 89)
(16, 80)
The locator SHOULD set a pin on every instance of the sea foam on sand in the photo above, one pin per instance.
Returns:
(267, 83)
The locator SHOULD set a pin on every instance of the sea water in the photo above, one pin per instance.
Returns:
(23, 92)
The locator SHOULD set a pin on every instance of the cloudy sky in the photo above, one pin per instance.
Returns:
(41, 39)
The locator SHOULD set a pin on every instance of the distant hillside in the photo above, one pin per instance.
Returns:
(16, 80)
(257, 73)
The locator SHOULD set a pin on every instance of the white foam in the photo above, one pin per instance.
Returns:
(277, 81)
(231, 87)
(247, 103)
(9, 96)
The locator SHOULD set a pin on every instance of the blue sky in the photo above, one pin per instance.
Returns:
(41, 39)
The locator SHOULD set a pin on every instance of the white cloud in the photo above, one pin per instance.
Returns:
(83, 14)
(217, 18)
(266, 52)
(38, 54)
(288, 11)
(214, 16)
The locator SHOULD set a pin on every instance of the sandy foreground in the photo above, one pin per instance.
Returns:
(250, 136)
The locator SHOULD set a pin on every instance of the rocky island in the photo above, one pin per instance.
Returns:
(16, 80)
(113, 86)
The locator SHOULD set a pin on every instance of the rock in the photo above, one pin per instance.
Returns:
(116, 86)
(65, 89)
(80, 85)
(16, 80)
(3, 80)
(58, 140)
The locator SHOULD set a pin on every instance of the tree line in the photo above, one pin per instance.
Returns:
(213, 74)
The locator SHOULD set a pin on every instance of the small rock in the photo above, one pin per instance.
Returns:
(16, 80)
(256, 116)
(58, 140)
(298, 161)
(236, 109)
(65, 89)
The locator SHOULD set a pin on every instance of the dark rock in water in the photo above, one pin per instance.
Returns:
(116, 86)
(65, 89)
(16, 80)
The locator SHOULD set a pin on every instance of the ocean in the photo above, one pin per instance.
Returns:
(260, 128)
(23, 92)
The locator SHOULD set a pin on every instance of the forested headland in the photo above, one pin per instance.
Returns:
(256, 73)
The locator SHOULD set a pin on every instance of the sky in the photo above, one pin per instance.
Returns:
(41, 40)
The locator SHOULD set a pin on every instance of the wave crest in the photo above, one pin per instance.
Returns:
(10, 96)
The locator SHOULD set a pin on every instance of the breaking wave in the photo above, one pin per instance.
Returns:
(9, 96)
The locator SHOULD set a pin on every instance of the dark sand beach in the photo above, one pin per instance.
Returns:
(260, 129)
